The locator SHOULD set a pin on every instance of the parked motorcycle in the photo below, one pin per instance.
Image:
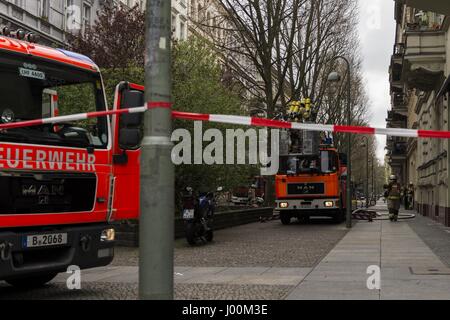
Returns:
(198, 214)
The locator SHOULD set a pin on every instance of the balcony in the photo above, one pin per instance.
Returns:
(442, 7)
(397, 149)
(396, 67)
(425, 53)
(396, 120)
(399, 102)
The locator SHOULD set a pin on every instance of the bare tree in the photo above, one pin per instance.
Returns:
(284, 49)
(253, 45)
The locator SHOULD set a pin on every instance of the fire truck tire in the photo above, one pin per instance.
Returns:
(32, 281)
(339, 217)
(285, 218)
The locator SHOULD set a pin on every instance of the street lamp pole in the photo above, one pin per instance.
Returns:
(367, 171)
(373, 178)
(156, 232)
(335, 77)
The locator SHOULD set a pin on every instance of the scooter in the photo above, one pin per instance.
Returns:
(198, 214)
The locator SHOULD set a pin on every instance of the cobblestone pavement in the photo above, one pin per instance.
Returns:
(268, 244)
(200, 291)
(257, 244)
(129, 291)
(434, 234)
(59, 291)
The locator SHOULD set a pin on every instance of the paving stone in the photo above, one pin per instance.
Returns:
(342, 273)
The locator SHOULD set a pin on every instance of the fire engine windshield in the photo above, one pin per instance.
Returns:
(34, 89)
(325, 162)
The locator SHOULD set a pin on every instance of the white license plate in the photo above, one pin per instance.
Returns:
(45, 240)
(188, 214)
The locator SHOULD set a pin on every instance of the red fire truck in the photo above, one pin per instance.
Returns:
(312, 185)
(62, 185)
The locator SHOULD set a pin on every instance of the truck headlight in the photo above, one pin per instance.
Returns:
(284, 204)
(328, 204)
(108, 235)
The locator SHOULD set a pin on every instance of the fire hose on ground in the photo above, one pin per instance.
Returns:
(373, 215)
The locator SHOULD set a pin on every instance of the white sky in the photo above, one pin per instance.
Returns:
(377, 36)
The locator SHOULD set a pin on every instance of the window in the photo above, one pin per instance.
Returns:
(43, 8)
(26, 85)
(182, 31)
(18, 3)
(86, 16)
(328, 161)
(193, 8)
(298, 164)
(200, 13)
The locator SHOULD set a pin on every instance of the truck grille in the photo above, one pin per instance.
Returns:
(26, 192)
(306, 188)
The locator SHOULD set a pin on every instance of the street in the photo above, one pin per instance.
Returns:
(318, 260)
(250, 129)
(253, 261)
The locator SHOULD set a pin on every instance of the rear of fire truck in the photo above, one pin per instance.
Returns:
(61, 184)
(311, 180)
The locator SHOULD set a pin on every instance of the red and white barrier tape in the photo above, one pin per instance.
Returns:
(238, 120)
(262, 122)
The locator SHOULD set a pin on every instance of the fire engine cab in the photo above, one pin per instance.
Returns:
(62, 185)
(311, 185)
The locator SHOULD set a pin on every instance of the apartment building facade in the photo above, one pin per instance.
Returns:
(420, 84)
(53, 19)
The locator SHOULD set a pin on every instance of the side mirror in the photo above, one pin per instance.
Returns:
(131, 124)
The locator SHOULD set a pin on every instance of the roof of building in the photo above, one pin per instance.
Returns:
(40, 51)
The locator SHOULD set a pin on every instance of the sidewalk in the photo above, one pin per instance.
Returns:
(409, 269)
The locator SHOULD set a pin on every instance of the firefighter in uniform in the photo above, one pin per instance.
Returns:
(393, 193)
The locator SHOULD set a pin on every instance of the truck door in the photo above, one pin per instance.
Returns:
(127, 136)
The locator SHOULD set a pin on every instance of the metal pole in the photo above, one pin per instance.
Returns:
(373, 178)
(156, 231)
(349, 147)
(349, 150)
(367, 171)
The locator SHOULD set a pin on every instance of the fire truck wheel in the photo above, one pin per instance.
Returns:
(285, 218)
(33, 281)
(339, 217)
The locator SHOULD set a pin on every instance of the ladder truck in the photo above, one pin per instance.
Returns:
(312, 176)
